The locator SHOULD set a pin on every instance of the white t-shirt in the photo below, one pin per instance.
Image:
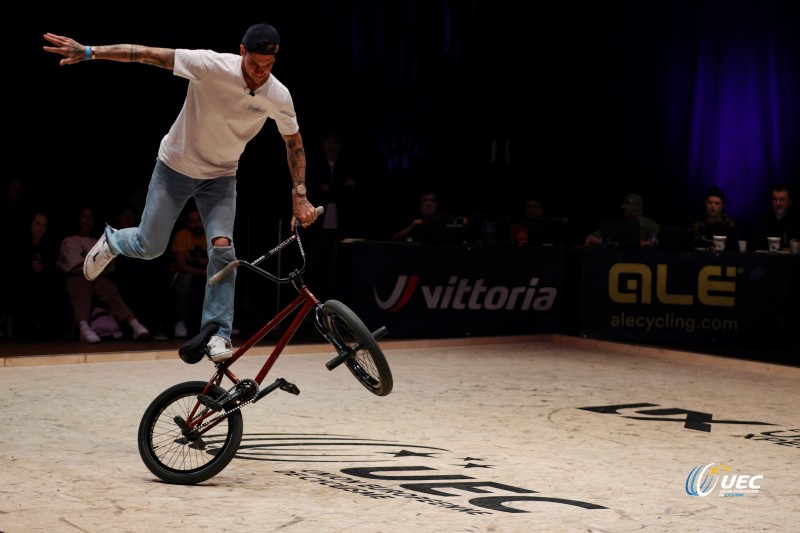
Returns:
(218, 117)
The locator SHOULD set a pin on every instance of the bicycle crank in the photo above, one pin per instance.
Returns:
(279, 383)
(241, 393)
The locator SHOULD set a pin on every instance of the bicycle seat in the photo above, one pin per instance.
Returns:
(194, 349)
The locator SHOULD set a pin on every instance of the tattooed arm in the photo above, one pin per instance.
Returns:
(302, 209)
(74, 52)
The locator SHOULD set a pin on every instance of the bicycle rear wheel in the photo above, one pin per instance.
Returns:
(173, 457)
(367, 363)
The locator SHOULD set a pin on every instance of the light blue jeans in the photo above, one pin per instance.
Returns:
(166, 197)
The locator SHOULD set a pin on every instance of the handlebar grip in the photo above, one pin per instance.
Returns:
(296, 223)
(213, 280)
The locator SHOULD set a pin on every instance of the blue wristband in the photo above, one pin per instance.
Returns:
(88, 53)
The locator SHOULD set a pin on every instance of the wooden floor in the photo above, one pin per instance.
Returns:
(519, 434)
(69, 344)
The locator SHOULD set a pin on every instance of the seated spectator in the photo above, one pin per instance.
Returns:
(714, 221)
(83, 294)
(427, 210)
(429, 224)
(39, 299)
(189, 262)
(532, 209)
(781, 220)
(15, 210)
(630, 230)
(15, 216)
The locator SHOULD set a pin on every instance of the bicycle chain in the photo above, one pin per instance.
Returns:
(244, 383)
(221, 415)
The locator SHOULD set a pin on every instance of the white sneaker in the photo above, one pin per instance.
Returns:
(218, 349)
(89, 335)
(180, 330)
(97, 259)
(140, 333)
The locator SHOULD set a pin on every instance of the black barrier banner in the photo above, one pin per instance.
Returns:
(726, 298)
(454, 291)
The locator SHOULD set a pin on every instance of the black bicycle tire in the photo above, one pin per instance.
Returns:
(178, 462)
(369, 364)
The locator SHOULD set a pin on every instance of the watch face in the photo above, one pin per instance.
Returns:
(301, 189)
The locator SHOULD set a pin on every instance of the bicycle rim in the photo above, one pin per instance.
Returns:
(368, 363)
(172, 457)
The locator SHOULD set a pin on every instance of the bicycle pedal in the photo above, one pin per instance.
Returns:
(211, 403)
(339, 359)
(190, 436)
(290, 387)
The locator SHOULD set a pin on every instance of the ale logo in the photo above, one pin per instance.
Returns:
(632, 283)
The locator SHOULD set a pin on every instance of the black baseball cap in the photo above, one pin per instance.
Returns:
(632, 201)
(262, 39)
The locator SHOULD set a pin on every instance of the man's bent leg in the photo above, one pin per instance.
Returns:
(167, 194)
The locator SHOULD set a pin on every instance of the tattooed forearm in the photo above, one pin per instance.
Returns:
(296, 155)
(134, 53)
(297, 166)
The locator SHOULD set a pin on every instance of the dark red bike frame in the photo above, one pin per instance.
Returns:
(305, 301)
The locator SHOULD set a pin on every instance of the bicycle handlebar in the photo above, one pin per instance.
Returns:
(236, 262)
(223, 272)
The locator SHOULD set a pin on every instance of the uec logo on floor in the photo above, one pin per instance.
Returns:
(702, 480)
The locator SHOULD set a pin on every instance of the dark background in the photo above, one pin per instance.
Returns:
(585, 102)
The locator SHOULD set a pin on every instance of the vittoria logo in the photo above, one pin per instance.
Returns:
(467, 294)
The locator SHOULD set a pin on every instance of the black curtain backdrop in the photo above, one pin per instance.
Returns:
(485, 99)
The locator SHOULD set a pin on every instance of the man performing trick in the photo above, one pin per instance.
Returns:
(228, 101)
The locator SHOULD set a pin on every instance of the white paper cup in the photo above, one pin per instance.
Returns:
(774, 244)
(742, 246)
(794, 247)
(719, 242)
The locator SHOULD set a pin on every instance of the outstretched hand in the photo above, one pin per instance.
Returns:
(72, 50)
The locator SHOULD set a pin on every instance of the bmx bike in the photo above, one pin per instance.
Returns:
(190, 432)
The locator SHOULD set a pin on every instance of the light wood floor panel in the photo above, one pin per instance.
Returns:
(501, 435)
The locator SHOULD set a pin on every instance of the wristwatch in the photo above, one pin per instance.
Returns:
(300, 190)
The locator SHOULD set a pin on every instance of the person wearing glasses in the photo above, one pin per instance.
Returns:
(780, 220)
(427, 211)
(228, 100)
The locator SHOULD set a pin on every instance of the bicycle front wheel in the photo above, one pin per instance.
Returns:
(169, 453)
(367, 362)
